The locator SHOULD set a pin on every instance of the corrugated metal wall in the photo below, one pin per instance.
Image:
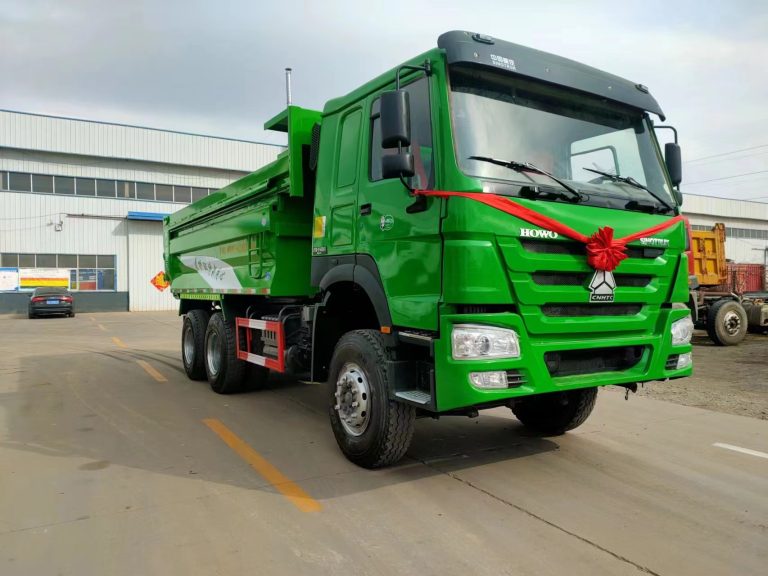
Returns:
(37, 162)
(69, 136)
(706, 211)
(145, 253)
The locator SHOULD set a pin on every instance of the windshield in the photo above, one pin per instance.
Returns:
(564, 133)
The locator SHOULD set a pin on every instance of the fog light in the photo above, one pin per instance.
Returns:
(684, 360)
(489, 380)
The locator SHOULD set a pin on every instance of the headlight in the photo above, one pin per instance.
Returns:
(473, 341)
(682, 331)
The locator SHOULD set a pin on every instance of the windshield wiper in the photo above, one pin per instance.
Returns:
(632, 182)
(528, 167)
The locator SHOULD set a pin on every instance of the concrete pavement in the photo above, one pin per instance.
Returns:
(107, 469)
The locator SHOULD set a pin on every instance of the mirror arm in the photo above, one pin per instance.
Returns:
(426, 68)
(674, 130)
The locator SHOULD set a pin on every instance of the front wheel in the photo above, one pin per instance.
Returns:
(557, 412)
(371, 430)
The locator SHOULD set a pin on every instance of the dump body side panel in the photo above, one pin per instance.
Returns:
(253, 236)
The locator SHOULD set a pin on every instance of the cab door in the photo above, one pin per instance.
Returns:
(405, 248)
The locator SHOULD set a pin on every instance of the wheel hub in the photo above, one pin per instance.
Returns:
(352, 399)
(732, 323)
(189, 345)
(213, 353)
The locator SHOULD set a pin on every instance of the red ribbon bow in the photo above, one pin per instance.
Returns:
(603, 252)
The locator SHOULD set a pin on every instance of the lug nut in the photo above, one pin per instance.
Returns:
(355, 404)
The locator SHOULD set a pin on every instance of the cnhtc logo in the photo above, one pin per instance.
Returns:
(536, 233)
(602, 286)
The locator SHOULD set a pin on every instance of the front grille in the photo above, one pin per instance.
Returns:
(576, 310)
(582, 278)
(515, 378)
(578, 249)
(672, 362)
(593, 360)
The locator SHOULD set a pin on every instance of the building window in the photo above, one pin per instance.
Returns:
(26, 260)
(42, 183)
(126, 189)
(145, 191)
(84, 261)
(86, 272)
(85, 187)
(19, 182)
(45, 261)
(105, 188)
(9, 260)
(67, 261)
(182, 194)
(64, 185)
(163, 193)
(198, 193)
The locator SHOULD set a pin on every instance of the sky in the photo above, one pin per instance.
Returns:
(218, 67)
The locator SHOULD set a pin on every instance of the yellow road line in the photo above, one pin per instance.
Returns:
(101, 326)
(152, 371)
(119, 342)
(283, 484)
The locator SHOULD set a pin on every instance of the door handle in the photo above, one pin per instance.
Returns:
(365, 209)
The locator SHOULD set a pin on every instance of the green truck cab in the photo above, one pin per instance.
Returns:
(345, 261)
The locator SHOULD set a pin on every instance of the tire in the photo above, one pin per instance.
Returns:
(557, 412)
(726, 323)
(193, 343)
(72, 314)
(380, 435)
(225, 372)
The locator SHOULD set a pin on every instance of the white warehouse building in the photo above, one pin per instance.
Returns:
(81, 204)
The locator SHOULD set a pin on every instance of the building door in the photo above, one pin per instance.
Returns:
(145, 260)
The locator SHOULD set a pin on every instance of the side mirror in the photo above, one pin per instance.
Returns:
(395, 119)
(674, 162)
(397, 165)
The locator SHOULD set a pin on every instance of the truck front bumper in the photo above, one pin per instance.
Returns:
(556, 362)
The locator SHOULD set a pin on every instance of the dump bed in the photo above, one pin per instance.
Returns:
(253, 236)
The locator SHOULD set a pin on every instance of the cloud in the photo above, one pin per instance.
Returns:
(217, 67)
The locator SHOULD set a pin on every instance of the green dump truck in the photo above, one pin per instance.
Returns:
(485, 225)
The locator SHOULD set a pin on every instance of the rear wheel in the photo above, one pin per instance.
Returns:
(72, 314)
(371, 430)
(193, 343)
(557, 412)
(225, 371)
(727, 323)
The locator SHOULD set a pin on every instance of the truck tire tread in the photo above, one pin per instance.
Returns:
(715, 329)
(231, 376)
(199, 322)
(397, 419)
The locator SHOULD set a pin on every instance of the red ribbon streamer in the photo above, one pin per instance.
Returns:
(604, 252)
